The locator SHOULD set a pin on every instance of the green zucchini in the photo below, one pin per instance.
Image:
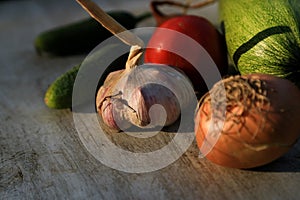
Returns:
(82, 36)
(59, 94)
(263, 36)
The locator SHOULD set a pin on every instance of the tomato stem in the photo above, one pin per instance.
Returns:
(160, 17)
(201, 4)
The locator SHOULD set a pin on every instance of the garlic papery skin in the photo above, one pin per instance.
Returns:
(113, 112)
(149, 85)
(154, 106)
(110, 105)
(173, 79)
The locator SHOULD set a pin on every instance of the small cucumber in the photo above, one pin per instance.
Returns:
(263, 36)
(59, 94)
(82, 36)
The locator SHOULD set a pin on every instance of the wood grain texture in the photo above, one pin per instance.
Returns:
(42, 157)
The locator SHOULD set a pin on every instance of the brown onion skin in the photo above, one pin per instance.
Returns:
(281, 130)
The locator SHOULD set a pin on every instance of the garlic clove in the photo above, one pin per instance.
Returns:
(144, 101)
(157, 94)
(109, 103)
(113, 112)
(165, 75)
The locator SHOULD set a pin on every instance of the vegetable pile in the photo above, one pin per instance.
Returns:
(247, 119)
(258, 120)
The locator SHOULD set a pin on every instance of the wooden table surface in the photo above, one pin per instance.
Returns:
(42, 157)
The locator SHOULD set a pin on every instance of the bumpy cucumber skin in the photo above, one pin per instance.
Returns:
(79, 37)
(59, 94)
(263, 36)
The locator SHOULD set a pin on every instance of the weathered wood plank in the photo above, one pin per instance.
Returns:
(42, 157)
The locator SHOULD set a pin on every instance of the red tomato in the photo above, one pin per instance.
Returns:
(199, 29)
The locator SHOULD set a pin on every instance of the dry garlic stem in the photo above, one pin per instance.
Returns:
(110, 24)
(116, 29)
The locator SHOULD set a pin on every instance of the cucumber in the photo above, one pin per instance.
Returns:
(82, 36)
(263, 36)
(59, 94)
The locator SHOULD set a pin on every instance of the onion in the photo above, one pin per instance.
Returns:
(256, 122)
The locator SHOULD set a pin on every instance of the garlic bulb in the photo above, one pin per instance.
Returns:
(146, 96)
